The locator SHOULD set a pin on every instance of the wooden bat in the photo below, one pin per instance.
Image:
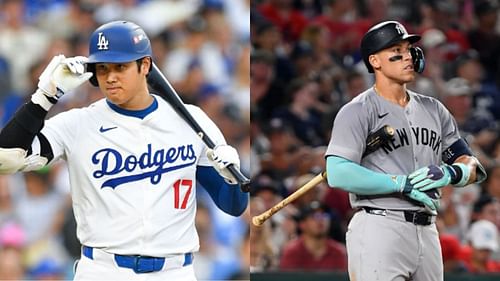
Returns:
(260, 219)
(160, 84)
(374, 141)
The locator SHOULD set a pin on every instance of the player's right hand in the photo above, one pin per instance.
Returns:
(431, 205)
(63, 75)
(221, 157)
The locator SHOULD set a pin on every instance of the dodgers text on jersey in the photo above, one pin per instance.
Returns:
(150, 164)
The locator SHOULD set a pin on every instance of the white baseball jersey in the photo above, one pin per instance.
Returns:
(132, 180)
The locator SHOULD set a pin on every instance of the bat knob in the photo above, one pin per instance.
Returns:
(257, 221)
(245, 187)
(389, 130)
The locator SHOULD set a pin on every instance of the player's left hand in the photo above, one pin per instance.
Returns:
(221, 157)
(430, 177)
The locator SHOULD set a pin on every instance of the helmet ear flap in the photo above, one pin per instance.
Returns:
(417, 56)
(93, 78)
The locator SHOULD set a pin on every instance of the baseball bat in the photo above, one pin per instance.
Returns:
(378, 138)
(373, 142)
(260, 219)
(160, 84)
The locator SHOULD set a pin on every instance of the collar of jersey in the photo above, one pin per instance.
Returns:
(134, 113)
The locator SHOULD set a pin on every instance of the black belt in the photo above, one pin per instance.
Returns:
(418, 218)
(140, 264)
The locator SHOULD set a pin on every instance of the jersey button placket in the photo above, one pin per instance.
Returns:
(410, 123)
(149, 194)
(142, 130)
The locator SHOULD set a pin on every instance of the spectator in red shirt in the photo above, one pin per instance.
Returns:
(450, 250)
(313, 249)
(290, 21)
(483, 238)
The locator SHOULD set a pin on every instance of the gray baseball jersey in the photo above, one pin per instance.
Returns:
(423, 129)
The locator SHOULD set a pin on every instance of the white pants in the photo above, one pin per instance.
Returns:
(104, 267)
(387, 247)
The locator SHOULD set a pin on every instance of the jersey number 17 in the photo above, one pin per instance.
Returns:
(182, 185)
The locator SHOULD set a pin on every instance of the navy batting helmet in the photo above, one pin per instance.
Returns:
(382, 36)
(117, 42)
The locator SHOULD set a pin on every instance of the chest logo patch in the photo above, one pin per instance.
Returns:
(380, 116)
(102, 129)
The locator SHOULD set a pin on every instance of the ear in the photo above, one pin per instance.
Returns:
(374, 61)
(146, 65)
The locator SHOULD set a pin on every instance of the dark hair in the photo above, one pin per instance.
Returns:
(294, 86)
(139, 62)
(482, 7)
(482, 201)
(310, 209)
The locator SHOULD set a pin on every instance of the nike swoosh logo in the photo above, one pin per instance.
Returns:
(102, 129)
(382, 115)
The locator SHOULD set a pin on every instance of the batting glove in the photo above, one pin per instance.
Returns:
(59, 77)
(221, 157)
(431, 204)
(431, 177)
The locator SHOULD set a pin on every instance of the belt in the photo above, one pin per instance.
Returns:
(140, 264)
(418, 218)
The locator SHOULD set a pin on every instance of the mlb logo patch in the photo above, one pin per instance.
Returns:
(138, 38)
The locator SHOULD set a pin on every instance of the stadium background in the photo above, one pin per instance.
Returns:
(305, 59)
(202, 46)
(305, 64)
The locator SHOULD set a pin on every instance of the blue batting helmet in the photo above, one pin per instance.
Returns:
(117, 42)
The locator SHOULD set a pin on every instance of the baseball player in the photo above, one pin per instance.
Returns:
(393, 236)
(133, 162)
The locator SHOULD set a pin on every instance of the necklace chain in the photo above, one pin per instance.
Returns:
(406, 100)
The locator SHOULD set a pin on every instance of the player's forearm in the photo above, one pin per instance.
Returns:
(471, 164)
(229, 198)
(357, 179)
(23, 127)
(473, 167)
(232, 200)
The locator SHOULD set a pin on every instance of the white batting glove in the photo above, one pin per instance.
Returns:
(59, 77)
(222, 156)
(33, 162)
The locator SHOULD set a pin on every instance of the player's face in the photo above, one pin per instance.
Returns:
(123, 84)
(396, 62)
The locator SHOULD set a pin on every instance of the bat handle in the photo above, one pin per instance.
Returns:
(240, 177)
(259, 220)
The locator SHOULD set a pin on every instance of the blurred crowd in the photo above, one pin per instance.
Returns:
(306, 64)
(202, 47)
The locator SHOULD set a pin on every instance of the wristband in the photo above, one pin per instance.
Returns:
(43, 100)
(460, 174)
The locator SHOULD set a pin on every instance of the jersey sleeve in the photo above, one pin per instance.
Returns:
(449, 127)
(210, 129)
(349, 133)
(61, 131)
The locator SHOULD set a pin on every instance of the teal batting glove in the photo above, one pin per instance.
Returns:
(431, 177)
(431, 205)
